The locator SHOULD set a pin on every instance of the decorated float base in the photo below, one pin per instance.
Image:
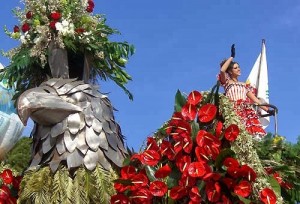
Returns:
(83, 186)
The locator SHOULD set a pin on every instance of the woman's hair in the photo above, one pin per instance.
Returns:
(230, 66)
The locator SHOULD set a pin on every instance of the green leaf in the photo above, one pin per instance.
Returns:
(180, 101)
(195, 129)
(150, 171)
(173, 178)
(246, 201)
(275, 185)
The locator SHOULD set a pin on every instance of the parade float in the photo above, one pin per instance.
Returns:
(201, 155)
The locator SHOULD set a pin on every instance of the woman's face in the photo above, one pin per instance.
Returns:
(236, 71)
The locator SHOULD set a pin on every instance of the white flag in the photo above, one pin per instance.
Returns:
(258, 78)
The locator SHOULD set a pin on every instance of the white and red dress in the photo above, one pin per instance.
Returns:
(237, 93)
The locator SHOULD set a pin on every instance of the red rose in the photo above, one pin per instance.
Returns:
(25, 27)
(29, 15)
(16, 29)
(55, 16)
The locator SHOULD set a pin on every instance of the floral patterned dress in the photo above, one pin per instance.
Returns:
(237, 93)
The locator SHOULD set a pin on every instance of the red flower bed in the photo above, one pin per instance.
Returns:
(9, 186)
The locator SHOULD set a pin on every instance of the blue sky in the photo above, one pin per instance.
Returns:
(179, 45)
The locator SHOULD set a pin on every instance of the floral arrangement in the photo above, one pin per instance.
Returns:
(201, 155)
(71, 25)
(9, 186)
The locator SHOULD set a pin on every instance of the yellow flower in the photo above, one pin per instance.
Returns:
(277, 139)
(36, 22)
(16, 35)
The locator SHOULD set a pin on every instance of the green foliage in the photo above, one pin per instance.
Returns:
(283, 158)
(84, 186)
(18, 158)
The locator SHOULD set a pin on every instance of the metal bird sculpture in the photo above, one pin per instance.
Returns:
(74, 122)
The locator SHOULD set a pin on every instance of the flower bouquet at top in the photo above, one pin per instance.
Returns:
(68, 25)
(201, 155)
(9, 186)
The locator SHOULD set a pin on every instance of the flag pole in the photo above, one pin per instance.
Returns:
(259, 67)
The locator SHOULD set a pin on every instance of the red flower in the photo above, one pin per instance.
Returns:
(122, 187)
(151, 144)
(212, 176)
(204, 138)
(139, 180)
(55, 15)
(207, 113)
(189, 111)
(229, 182)
(183, 162)
(248, 173)
(198, 169)
(234, 171)
(119, 199)
(268, 196)
(166, 149)
(141, 195)
(229, 161)
(16, 182)
(243, 189)
(127, 172)
(184, 142)
(16, 29)
(231, 132)
(52, 25)
(178, 192)
(150, 157)
(187, 181)
(219, 128)
(163, 172)
(7, 176)
(225, 200)
(25, 27)
(176, 119)
(194, 97)
(29, 15)
(195, 195)
(89, 9)
(91, 3)
(213, 191)
(158, 188)
(4, 192)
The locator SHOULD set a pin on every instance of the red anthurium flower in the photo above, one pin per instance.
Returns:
(127, 172)
(225, 200)
(183, 162)
(119, 199)
(213, 191)
(150, 157)
(122, 187)
(178, 192)
(187, 181)
(182, 127)
(204, 138)
(91, 3)
(142, 195)
(166, 149)
(247, 172)
(29, 14)
(52, 25)
(4, 192)
(158, 188)
(151, 144)
(234, 171)
(195, 195)
(194, 97)
(7, 176)
(139, 180)
(269, 170)
(212, 176)
(184, 142)
(55, 15)
(198, 169)
(229, 161)
(243, 189)
(16, 182)
(136, 156)
(163, 171)
(25, 27)
(207, 152)
(231, 132)
(287, 185)
(268, 196)
(11, 200)
(16, 29)
(176, 118)
(219, 128)
(207, 113)
(229, 182)
(189, 111)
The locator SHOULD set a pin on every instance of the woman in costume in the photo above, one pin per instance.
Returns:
(241, 96)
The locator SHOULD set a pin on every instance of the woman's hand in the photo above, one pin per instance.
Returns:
(232, 51)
